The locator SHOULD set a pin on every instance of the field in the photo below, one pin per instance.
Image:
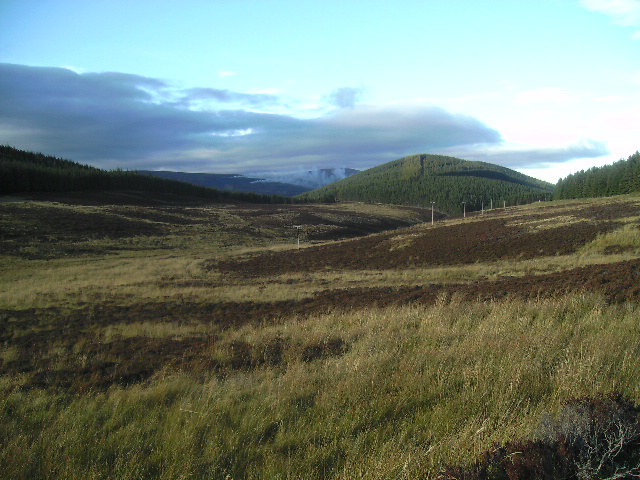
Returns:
(160, 338)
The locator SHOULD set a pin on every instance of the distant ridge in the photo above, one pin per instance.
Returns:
(268, 183)
(447, 181)
(230, 182)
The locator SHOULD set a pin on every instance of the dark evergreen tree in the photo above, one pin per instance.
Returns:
(618, 178)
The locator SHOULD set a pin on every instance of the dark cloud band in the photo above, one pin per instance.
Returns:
(130, 121)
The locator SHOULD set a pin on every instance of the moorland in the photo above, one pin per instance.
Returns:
(145, 336)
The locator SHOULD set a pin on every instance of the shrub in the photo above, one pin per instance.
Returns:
(591, 438)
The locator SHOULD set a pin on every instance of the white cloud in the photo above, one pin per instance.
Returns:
(623, 12)
(548, 95)
(78, 70)
(266, 91)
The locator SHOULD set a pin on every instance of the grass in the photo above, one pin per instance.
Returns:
(54, 282)
(159, 276)
(624, 239)
(417, 388)
(375, 393)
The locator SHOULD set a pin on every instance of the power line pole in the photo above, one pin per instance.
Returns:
(298, 227)
(432, 203)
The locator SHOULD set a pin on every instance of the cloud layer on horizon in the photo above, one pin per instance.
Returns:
(515, 156)
(122, 120)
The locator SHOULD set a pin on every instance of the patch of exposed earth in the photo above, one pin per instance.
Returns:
(458, 244)
(517, 237)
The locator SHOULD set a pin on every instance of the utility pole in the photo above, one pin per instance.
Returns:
(464, 209)
(432, 204)
(298, 227)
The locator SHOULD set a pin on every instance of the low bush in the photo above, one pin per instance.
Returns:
(591, 438)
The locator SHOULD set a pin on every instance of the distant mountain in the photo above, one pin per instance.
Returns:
(269, 183)
(231, 182)
(310, 179)
(447, 181)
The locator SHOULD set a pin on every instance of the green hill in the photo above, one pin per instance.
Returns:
(28, 172)
(447, 181)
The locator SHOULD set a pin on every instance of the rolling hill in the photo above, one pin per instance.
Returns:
(447, 181)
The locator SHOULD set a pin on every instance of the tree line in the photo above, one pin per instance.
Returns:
(618, 178)
(28, 172)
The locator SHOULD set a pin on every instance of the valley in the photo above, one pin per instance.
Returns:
(142, 338)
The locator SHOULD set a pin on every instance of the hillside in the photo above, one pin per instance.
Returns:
(177, 341)
(447, 181)
(28, 172)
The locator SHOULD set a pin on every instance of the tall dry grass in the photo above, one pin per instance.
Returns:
(376, 394)
(414, 388)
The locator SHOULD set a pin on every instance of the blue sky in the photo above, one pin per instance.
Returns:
(546, 87)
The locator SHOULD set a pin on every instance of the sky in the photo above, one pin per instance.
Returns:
(546, 87)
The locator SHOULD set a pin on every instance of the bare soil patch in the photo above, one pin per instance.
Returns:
(485, 241)
(479, 240)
